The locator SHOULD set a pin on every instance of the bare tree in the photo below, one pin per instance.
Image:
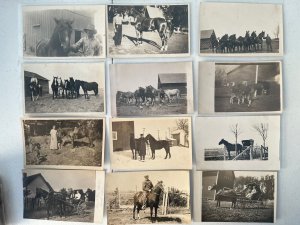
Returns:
(183, 124)
(276, 32)
(262, 129)
(235, 129)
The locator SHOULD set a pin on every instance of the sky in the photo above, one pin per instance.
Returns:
(128, 77)
(238, 18)
(132, 181)
(90, 72)
(76, 179)
(217, 128)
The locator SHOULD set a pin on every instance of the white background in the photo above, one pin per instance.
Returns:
(11, 152)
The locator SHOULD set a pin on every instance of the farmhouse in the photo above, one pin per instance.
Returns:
(220, 178)
(173, 81)
(39, 25)
(180, 137)
(41, 80)
(121, 135)
(206, 37)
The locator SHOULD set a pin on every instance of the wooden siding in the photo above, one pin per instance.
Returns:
(123, 129)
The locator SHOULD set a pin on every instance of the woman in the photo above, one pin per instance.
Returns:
(53, 139)
(117, 23)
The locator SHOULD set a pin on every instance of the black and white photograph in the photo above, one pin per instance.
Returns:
(239, 142)
(64, 31)
(240, 87)
(2, 213)
(64, 143)
(151, 89)
(60, 88)
(241, 29)
(153, 197)
(151, 143)
(235, 196)
(78, 197)
(144, 30)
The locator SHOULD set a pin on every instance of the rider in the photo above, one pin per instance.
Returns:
(147, 188)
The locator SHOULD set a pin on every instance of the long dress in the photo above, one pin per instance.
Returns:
(53, 140)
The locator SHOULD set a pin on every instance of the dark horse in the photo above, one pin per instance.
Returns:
(139, 95)
(224, 194)
(134, 146)
(54, 87)
(59, 43)
(89, 86)
(231, 147)
(35, 91)
(161, 25)
(156, 145)
(152, 200)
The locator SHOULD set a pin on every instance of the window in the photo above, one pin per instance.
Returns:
(115, 135)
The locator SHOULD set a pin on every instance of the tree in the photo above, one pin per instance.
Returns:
(236, 131)
(183, 124)
(262, 129)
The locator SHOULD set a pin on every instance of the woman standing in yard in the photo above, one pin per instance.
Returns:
(53, 138)
(117, 23)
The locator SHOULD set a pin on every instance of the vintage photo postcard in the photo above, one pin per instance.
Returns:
(63, 195)
(64, 31)
(148, 30)
(151, 89)
(151, 143)
(60, 88)
(238, 142)
(2, 212)
(155, 197)
(241, 29)
(64, 143)
(235, 196)
(240, 87)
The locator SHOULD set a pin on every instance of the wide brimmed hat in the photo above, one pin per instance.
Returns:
(146, 176)
(90, 27)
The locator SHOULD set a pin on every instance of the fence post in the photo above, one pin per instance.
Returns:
(163, 204)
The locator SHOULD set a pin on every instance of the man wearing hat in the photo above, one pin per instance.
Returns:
(88, 45)
(142, 147)
(147, 187)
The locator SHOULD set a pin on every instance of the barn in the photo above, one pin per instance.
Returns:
(205, 39)
(220, 178)
(121, 135)
(173, 81)
(39, 24)
(44, 82)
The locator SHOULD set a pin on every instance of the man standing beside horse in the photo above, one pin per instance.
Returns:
(147, 188)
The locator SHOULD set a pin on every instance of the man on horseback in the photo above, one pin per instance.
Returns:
(147, 188)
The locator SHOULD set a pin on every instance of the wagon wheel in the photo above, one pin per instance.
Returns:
(81, 208)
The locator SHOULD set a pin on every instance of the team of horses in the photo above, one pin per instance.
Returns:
(249, 43)
(148, 96)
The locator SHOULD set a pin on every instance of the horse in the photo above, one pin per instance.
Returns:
(253, 39)
(224, 194)
(77, 85)
(232, 43)
(223, 43)
(35, 91)
(239, 43)
(151, 93)
(247, 42)
(89, 86)
(70, 88)
(156, 145)
(259, 40)
(231, 147)
(126, 97)
(152, 201)
(134, 143)
(169, 93)
(90, 195)
(61, 87)
(59, 43)
(139, 94)
(54, 87)
(163, 26)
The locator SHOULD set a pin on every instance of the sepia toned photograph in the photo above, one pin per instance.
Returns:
(243, 142)
(236, 196)
(64, 143)
(144, 30)
(240, 87)
(151, 144)
(2, 213)
(64, 88)
(64, 31)
(153, 197)
(241, 29)
(151, 89)
(78, 197)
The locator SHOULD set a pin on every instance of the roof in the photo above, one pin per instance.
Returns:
(29, 179)
(172, 78)
(31, 74)
(206, 34)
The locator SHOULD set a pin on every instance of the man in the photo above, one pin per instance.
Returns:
(142, 147)
(147, 188)
(117, 24)
(88, 45)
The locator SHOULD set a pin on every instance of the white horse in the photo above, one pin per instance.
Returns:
(172, 93)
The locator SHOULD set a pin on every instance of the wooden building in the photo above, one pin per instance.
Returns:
(44, 82)
(220, 178)
(40, 25)
(121, 135)
(206, 37)
(173, 81)
(180, 137)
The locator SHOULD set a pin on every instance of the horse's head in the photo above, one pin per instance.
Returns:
(211, 188)
(222, 141)
(158, 188)
(63, 31)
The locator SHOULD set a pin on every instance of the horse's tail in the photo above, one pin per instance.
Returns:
(41, 48)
